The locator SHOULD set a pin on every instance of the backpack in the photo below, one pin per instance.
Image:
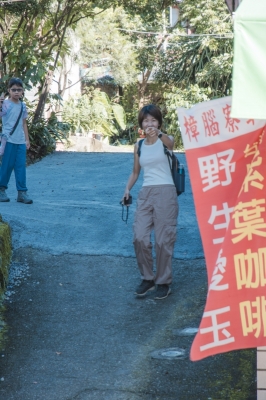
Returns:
(177, 170)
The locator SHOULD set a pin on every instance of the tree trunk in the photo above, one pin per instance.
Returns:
(43, 96)
(143, 87)
(146, 77)
(49, 76)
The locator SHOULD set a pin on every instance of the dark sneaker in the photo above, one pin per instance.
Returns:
(3, 196)
(144, 287)
(162, 292)
(23, 198)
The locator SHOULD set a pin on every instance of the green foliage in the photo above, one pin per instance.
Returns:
(105, 49)
(239, 379)
(130, 105)
(206, 59)
(44, 133)
(196, 67)
(5, 255)
(119, 115)
(32, 33)
(181, 98)
(146, 45)
(96, 112)
(206, 16)
(149, 11)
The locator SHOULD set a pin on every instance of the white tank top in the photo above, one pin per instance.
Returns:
(155, 164)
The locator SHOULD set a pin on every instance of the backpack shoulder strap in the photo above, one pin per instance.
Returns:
(171, 155)
(17, 121)
(139, 146)
(166, 151)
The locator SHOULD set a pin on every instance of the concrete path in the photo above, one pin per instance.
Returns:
(76, 207)
(74, 327)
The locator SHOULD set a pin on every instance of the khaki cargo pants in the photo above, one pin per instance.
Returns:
(157, 209)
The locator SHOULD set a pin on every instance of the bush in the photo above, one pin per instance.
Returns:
(94, 111)
(44, 133)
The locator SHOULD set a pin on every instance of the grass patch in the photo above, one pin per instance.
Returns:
(5, 256)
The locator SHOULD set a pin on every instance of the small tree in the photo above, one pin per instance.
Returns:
(205, 57)
(96, 112)
(196, 67)
(104, 49)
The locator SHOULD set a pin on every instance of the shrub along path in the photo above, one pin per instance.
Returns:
(75, 329)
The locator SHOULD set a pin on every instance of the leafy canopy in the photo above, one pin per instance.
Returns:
(205, 60)
(104, 49)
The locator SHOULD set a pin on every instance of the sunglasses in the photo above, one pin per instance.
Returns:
(16, 90)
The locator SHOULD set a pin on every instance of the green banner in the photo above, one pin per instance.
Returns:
(249, 67)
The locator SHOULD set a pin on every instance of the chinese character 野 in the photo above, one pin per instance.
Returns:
(211, 165)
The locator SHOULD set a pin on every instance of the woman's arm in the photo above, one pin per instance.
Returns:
(134, 175)
(168, 141)
(26, 132)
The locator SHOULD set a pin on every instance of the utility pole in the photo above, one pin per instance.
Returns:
(232, 5)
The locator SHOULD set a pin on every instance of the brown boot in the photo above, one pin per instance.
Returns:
(23, 197)
(3, 196)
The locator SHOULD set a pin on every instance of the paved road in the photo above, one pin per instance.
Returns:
(76, 207)
(75, 330)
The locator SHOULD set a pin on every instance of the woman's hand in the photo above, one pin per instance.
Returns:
(133, 176)
(126, 195)
(27, 144)
(152, 131)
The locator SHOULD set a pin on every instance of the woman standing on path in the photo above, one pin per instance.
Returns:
(157, 206)
(14, 141)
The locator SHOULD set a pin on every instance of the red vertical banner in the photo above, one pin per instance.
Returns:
(227, 166)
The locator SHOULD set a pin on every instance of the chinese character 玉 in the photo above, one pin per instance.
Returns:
(217, 329)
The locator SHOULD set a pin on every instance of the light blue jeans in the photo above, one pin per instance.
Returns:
(14, 158)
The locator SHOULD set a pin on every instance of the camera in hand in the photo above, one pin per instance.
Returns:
(127, 201)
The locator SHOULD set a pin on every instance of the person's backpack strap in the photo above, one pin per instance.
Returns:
(178, 178)
(175, 161)
(139, 146)
(16, 124)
